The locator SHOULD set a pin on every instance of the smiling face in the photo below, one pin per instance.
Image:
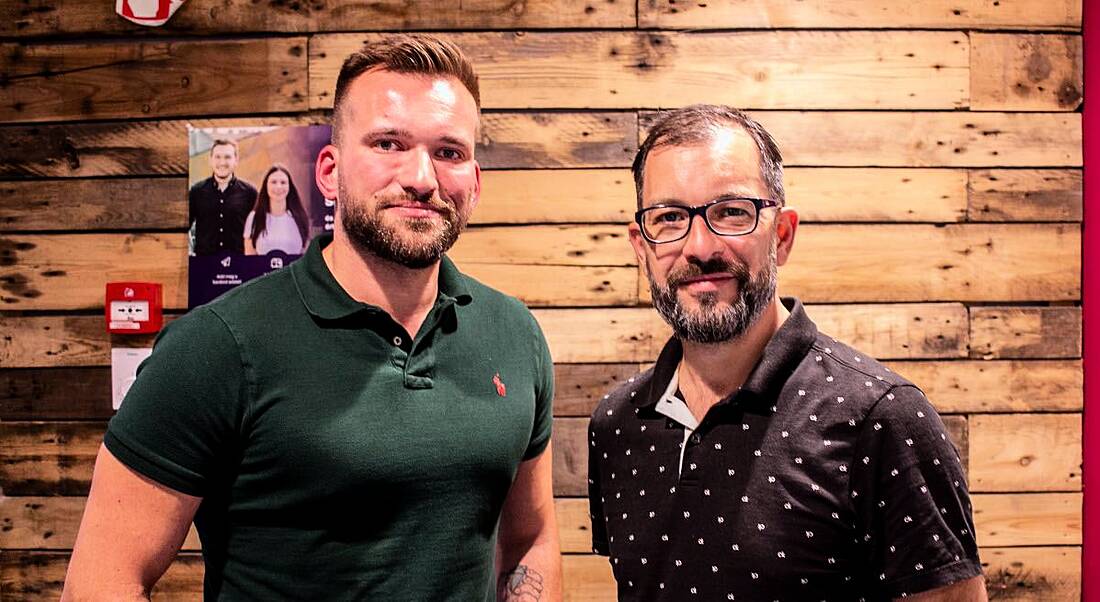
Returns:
(278, 185)
(223, 161)
(405, 171)
(711, 288)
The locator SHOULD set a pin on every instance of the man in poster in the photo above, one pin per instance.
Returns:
(219, 204)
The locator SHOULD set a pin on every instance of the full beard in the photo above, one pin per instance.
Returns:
(422, 243)
(714, 322)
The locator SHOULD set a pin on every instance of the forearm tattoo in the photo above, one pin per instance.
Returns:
(521, 584)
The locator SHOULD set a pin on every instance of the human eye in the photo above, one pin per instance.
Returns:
(450, 154)
(667, 215)
(733, 211)
(386, 145)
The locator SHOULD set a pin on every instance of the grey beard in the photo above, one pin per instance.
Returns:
(712, 324)
(368, 232)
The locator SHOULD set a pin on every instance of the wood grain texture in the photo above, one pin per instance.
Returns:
(1024, 195)
(49, 341)
(44, 458)
(55, 394)
(998, 332)
(545, 245)
(1027, 519)
(1025, 452)
(998, 386)
(555, 196)
(41, 575)
(626, 70)
(87, 204)
(579, 387)
(203, 17)
(930, 14)
(826, 194)
(52, 82)
(136, 148)
(1033, 574)
(1025, 72)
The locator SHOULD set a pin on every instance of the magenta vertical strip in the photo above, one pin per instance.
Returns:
(1090, 292)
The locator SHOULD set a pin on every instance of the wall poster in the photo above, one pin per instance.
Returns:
(253, 205)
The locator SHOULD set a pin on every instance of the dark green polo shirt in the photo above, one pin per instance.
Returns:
(336, 458)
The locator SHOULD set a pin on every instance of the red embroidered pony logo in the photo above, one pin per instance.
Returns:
(501, 390)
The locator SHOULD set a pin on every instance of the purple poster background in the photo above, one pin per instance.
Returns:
(259, 148)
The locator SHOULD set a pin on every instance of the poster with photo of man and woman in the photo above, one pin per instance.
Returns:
(252, 203)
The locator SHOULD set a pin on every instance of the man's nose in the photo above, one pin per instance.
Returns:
(701, 243)
(418, 174)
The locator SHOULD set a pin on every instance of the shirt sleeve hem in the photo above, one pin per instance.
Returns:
(955, 572)
(536, 448)
(171, 476)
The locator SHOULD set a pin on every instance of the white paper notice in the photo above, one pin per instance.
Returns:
(124, 365)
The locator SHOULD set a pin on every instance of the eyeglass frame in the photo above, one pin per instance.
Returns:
(701, 211)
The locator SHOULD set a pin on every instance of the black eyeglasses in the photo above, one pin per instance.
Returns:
(725, 217)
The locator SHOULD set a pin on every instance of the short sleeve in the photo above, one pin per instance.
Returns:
(909, 492)
(544, 395)
(179, 422)
(595, 497)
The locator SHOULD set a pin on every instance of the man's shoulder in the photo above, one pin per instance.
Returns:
(846, 371)
(244, 184)
(257, 301)
(201, 184)
(618, 402)
(490, 300)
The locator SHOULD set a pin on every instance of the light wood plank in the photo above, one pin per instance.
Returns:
(508, 140)
(876, 195)
(1025, 195)
(1025, 72)
(152, 79)
(998, 386)
(1025, 452)
(587, 578)
(579, 387)
(559, 285)
(949, 139)
(1025, 332)
(1032, 574)
(204, 17)
(624, 70)
(545, 245)
(971, 262)
(555, 196)
(46, 341)
(932, 14)
(1027, 519)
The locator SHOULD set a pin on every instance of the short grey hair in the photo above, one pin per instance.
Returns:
(698, 123)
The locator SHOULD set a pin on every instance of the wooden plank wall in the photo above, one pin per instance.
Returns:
(934, 150)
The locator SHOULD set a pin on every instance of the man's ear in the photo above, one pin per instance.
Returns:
(476, 196)
(639, 243)
(326, 172)
(785, 228)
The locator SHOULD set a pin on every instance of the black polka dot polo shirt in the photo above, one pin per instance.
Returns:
(825, 477)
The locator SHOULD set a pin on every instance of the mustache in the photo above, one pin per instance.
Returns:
(717, 265)
(429, 201)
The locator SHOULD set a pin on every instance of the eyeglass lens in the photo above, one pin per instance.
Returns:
(731, 218)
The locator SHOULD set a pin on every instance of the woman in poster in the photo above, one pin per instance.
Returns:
(278, 221)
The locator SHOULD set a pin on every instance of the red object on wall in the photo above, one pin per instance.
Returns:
(134, 307)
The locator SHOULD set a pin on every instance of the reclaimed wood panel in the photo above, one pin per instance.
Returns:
(55, 394)
(1024, 195)
(625, 70)
(93, 204)
(1025, 72)
(587, 578)
(1025, 452)
(135, 148)
(545, 245)
(998, 386)
(555, 196)
(1027, 519)
(930, 14)
(826, 194)
(204, 17)
(898, 139)
(44, 458)
(579, 387)
(1025, 332)
(45, 341)
(54, 82)
(971, 262)
(560, 285)
(1037, 574)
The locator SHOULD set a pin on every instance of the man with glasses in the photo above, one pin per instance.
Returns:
(760, 459)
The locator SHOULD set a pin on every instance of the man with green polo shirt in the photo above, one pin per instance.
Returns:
(368, 423)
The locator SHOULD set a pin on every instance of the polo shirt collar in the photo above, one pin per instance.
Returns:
(786, 349)
(323, 296)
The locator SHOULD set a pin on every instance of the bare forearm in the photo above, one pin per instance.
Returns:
(535, 578)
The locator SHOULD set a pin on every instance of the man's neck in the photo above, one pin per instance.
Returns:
(222, 183)
(711, 372)
(406, 294)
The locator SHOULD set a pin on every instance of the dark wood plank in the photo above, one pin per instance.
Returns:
(41, 575)
(579, 387)
(49, 458)
(1024, 195)
(204, 17)
(1025, 332)
(55, 82)
(93, 204)
(55, 394)
(1032, 574)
